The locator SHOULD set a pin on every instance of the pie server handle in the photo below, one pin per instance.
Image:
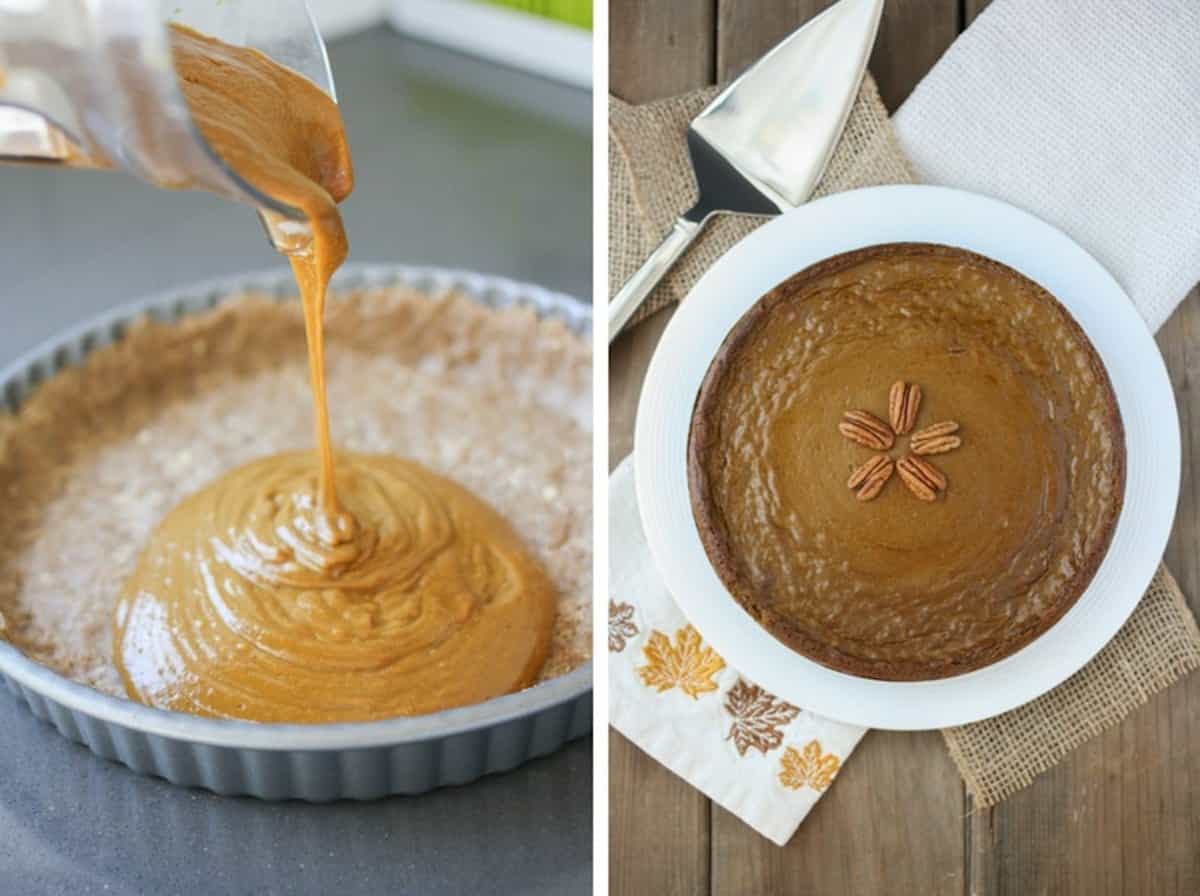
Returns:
(653, 269)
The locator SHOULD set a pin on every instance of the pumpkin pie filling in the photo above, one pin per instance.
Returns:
(906, 462)
(242, 605)
(314, 586)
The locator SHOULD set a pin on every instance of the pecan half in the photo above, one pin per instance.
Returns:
(923, 479)
(903, 403)
(867, 430)
(936, 439)
(871, 477)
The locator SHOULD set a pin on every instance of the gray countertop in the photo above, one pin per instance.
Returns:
(459, 163)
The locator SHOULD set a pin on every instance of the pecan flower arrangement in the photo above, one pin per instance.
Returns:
(925, 481)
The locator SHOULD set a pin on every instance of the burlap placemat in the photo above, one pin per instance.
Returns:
(650, 183)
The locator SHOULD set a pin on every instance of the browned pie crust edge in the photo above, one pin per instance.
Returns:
(713, 533)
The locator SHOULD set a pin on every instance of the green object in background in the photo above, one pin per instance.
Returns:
(573, 12)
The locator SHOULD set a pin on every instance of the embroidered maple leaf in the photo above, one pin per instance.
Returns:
(759, 717)
(810, 768)
(621, 626)
(687, 664)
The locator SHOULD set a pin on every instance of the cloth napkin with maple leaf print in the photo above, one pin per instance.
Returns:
(763, 759)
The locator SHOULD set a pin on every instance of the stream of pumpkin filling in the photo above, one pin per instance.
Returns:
(307, 587)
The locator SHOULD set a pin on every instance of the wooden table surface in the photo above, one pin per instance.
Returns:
(1120, 815)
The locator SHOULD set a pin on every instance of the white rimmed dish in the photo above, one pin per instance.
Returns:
(855, 220)
(358, 760)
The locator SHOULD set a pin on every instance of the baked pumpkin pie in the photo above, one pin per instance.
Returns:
(906, 461)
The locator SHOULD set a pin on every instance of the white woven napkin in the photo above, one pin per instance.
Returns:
(1085, 114)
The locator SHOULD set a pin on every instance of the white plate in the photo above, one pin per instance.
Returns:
(908, 214)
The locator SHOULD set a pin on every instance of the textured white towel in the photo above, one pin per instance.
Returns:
(1086, 114)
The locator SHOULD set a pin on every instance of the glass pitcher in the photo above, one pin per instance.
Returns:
(91, 84)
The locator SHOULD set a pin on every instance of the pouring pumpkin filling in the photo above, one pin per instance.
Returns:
(305, 586)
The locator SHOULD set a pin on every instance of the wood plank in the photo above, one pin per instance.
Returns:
(892, 823)
(1179, 340)
(747, 30)
(628, 358)
(912, 37)
(659, 49)
(972, 8)
(658, 827)
(1121, 814)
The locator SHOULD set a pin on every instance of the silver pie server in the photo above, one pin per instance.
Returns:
(760, 147)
